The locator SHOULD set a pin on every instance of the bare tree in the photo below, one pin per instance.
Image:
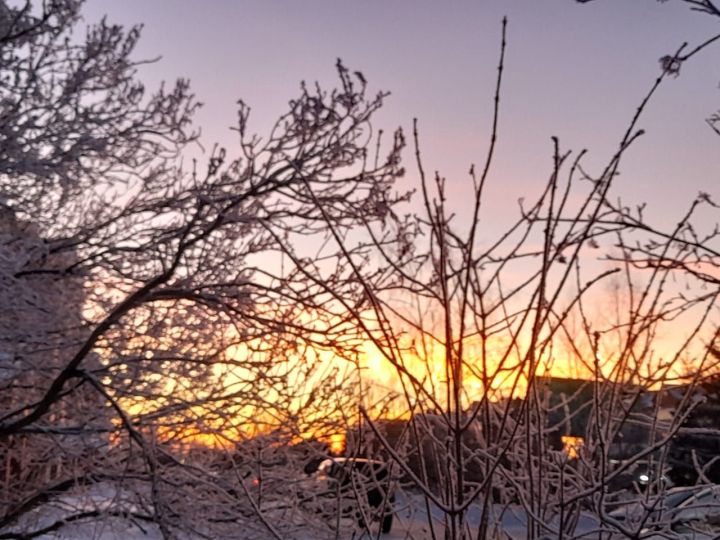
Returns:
(673, 63)
(146, 307)
(175, 339)
(474, 332)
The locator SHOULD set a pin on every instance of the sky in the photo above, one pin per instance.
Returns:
(574, 71)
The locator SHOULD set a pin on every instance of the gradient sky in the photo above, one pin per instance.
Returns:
(575, 71)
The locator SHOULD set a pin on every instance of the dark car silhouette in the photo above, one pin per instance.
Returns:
(361, 488)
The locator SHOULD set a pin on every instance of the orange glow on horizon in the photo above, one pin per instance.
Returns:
(386, 383)
(337, 443)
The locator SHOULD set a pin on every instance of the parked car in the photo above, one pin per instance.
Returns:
(638, 476)
(356, 487)
(692, 512)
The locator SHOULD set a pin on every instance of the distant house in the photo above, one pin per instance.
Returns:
(694, 453)
(568, 403)
(571, 411)
(643, 417)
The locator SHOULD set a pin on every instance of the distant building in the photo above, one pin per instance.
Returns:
(694, 449)
(645, 417)
(570, 405)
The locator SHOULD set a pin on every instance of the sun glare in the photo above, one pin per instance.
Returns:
(572, 445)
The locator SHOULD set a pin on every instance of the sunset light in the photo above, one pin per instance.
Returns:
(572, 445)
(275, 270)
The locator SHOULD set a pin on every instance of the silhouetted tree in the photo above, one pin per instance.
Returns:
(159, 291)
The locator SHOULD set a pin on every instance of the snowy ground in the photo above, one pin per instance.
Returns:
(410, 523)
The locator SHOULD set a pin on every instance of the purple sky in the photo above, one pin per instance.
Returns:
(575, 71)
